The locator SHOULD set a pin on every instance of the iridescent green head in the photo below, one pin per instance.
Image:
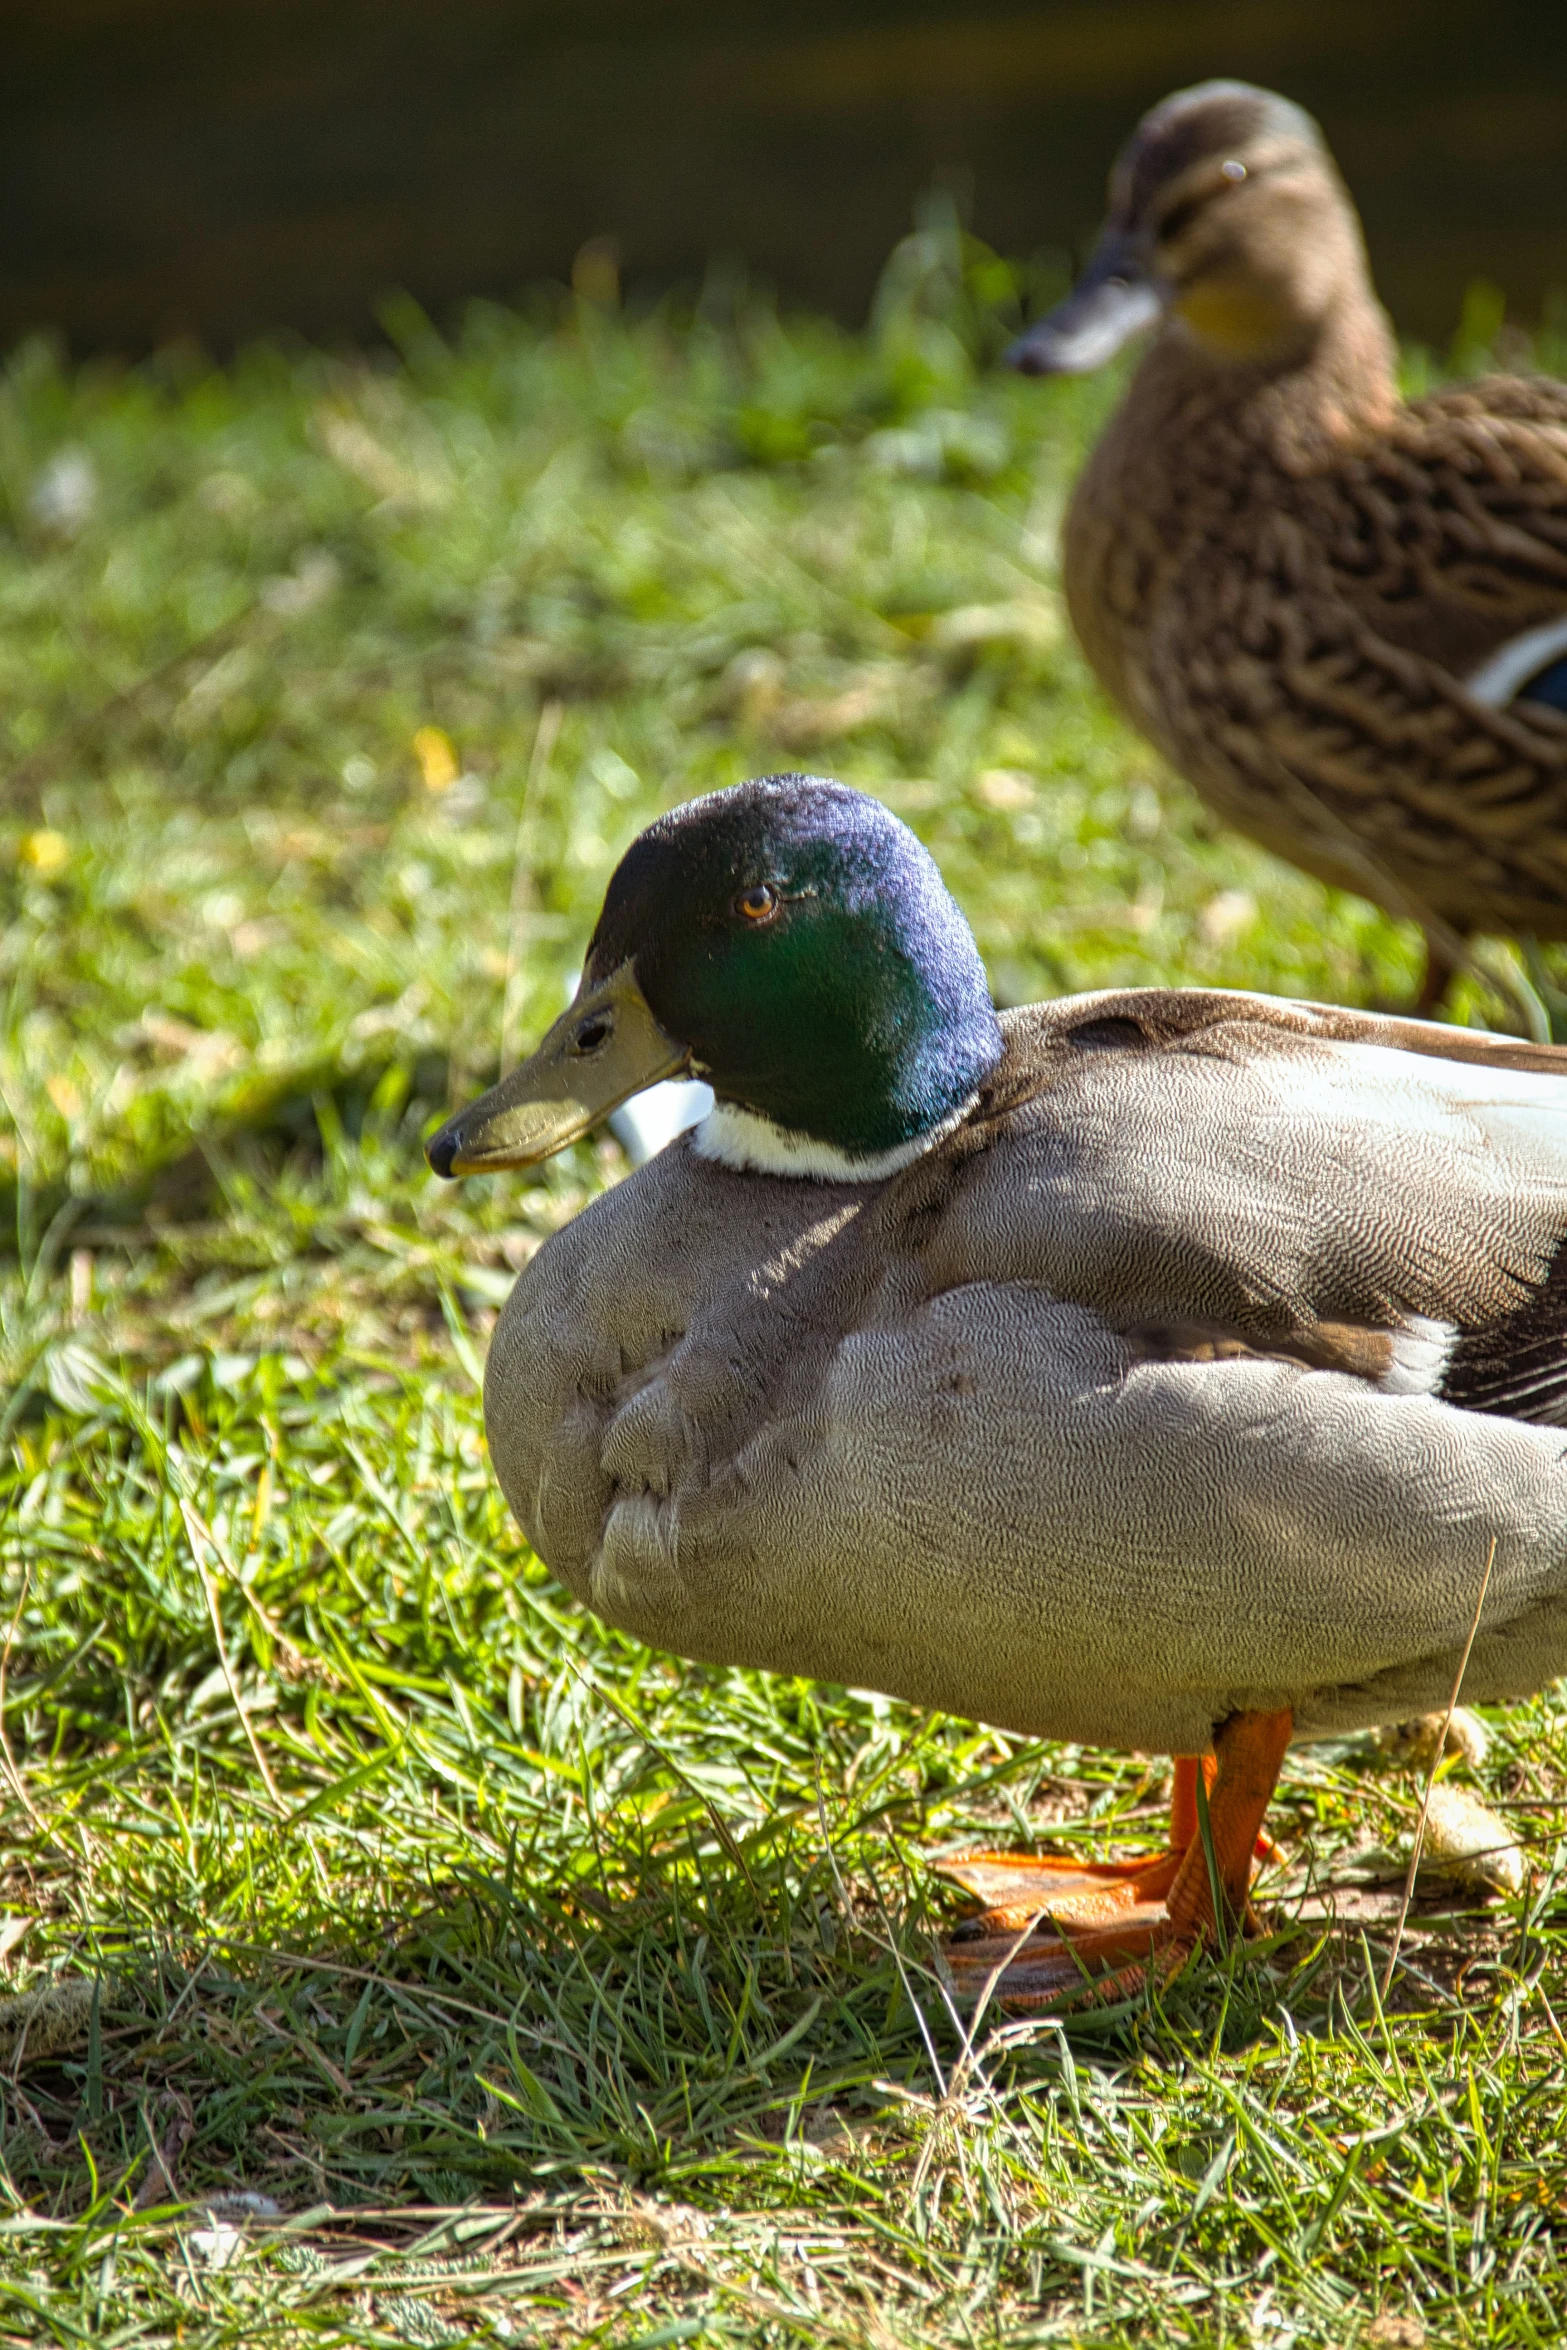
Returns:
(794, 944)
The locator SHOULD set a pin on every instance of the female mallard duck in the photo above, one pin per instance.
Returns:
(1342, 617)
(1156, 1368)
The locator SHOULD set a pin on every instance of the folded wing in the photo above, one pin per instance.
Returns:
(1222, 1174)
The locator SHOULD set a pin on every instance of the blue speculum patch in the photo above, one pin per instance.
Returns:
(1548, 685)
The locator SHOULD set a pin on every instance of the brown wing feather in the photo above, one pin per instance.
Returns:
(1218, 1177)
(1295, 709)
(1449, 533)
(1289, 607)
(1124, 1018)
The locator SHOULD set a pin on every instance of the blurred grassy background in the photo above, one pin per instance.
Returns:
(528, 1984)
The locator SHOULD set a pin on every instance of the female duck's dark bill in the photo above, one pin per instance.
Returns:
(1114, 299)
(604, 1048)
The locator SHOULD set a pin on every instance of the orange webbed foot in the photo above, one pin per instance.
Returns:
(1053, 1930)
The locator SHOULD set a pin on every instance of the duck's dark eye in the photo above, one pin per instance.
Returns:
(1179, 217)
(595, 1030)
(759, 903)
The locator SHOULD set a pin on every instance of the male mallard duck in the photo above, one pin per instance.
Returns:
(1342, 617)
(1156, 1368)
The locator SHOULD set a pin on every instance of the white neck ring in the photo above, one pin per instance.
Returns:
(751, 1144)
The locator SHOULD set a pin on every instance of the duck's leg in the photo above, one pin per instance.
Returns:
(1439, 975)
(1111, 1920)
(1183, 1795)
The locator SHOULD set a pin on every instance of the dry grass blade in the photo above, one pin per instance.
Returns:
(17, 1783)
(1418, 1839)
(197, 1535)
(545, 736)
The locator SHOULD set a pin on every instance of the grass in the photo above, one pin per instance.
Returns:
(393, 1954)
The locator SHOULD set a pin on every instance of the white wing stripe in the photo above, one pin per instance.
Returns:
(1497, 680)
(1422, 1351)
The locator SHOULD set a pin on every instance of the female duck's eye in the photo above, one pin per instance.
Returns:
(1179, 217)
(759, 903)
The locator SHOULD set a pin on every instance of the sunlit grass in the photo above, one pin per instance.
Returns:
(526, 1983)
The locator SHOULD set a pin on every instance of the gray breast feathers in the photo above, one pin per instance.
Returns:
(893, 1435)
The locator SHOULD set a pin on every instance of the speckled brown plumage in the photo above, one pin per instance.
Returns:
(1288, 578)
